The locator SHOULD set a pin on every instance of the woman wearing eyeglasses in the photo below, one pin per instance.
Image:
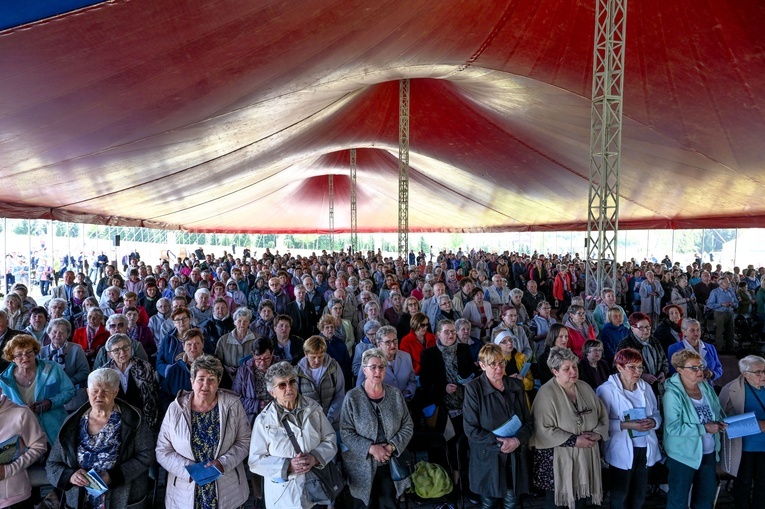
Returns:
(38, 384)
(272, 454)
(744, 457)
(499, 468)
(654, 357)
(321, 378)
(209, 426)
(138, 385)
(70, 357)
(632, 445)
(375, 425)
(692, 425)
(569, 421)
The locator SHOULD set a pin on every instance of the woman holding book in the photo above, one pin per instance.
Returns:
(499, 468)
(206, 428)
(633, 416)
(107, 437)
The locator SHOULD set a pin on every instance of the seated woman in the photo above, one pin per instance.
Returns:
(463, 336)
(70, 357)
(371, 313)
(692, 427)
(593, 370)
(569, 421)
(404, 327)
(93, 336)
(556, 336)
(744, 457)
(18, 423)
(478, 313)
(509, 324)
(162, 315)
(632, 447)
(179, 374)
(287, 347)
(418, 339)
(399, 373)
(18, 316)
(138, 385)
(209, 426)
(343, 327)
(263, 325)
(117, 324)
(367, 341)
(38, 324)
(233, 291)
(250, 383)
(579, 331)
(375, 426)
(140, 333)
(36, 383)
(498, 465)
(272, 454)
(320, 378)
(107, 436)
(612, 333)
(236, 345)
(445, 310)
(669, 332)
(396, 310)
(514, 361)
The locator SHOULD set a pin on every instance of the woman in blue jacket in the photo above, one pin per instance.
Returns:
(692, 426)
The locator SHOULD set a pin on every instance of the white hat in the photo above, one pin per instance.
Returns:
(501, 336)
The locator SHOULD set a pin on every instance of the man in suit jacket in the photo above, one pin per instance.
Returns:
(64, 291)
(303, 314)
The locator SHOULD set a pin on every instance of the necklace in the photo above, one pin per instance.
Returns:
(24, 381)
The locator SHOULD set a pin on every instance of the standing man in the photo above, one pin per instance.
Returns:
(723, 301)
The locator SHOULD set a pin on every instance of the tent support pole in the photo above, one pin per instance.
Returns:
(403, 168)
(354, 216)
(331, 192)
(605, 142)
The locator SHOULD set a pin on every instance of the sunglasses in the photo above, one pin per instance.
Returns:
(292, 382)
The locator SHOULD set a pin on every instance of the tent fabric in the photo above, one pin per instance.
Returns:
(229, 115)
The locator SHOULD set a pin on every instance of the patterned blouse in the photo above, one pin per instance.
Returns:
(205, 433)
(100, 451)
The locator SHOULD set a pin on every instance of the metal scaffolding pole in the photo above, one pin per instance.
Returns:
(403, 168)
(331, 212)
(354, 216)
(605, 141)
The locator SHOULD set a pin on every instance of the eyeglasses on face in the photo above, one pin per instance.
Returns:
(375, 367)
(21, 355)
(386, 342)
(497, 364)
(695, 369)
(115, 325)
(424, 325)
(292, 382)
(643, 327)
(633, 367)
(449, 332)
(181, 320)
(120, 349)
(759, 372)
(262, 358)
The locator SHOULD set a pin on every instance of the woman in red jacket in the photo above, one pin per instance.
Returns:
(563, 290)
(93, 336)
(418, 339)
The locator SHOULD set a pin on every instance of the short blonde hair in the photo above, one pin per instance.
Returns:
(314, 345)
(681, 357)
(490, 353)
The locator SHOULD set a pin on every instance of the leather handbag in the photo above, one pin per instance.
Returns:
(402, 466)
(322, 485)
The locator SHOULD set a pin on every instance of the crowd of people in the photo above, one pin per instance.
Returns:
(261, 370)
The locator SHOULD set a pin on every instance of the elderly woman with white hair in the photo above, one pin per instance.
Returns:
(70, 357)
(110, 437)
(272, 453)
(233, 347)
(744, 457)
(18, 315)
(206, 426)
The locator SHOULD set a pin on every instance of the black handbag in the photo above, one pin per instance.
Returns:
(322, 485)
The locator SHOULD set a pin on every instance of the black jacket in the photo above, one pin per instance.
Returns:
(433, 372)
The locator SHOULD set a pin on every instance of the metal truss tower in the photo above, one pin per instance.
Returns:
(403, 168)
(331, 212)
(605, 142)
(354, 216)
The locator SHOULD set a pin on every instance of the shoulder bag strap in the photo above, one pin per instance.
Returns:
(291, 436)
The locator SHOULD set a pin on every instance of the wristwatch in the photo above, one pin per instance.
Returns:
(392, 446)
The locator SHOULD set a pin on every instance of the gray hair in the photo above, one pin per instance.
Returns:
(687, 322)
(105, 376)
(14, 297)
(98, 311)
(374, 353)
(748, 362)
(460, 322)
(57, 300)
(163, 300)
(281, 369)
(334, 301)
(384, 331)
(201, 291)
(63, 322)
(242, 312)
(181, 292)
(117, 338)
(559, 355)
(371, 324)
(208, 363)
(113, 289)
(114, 318)
(443, 297)
(371, 304)
(515, 292)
